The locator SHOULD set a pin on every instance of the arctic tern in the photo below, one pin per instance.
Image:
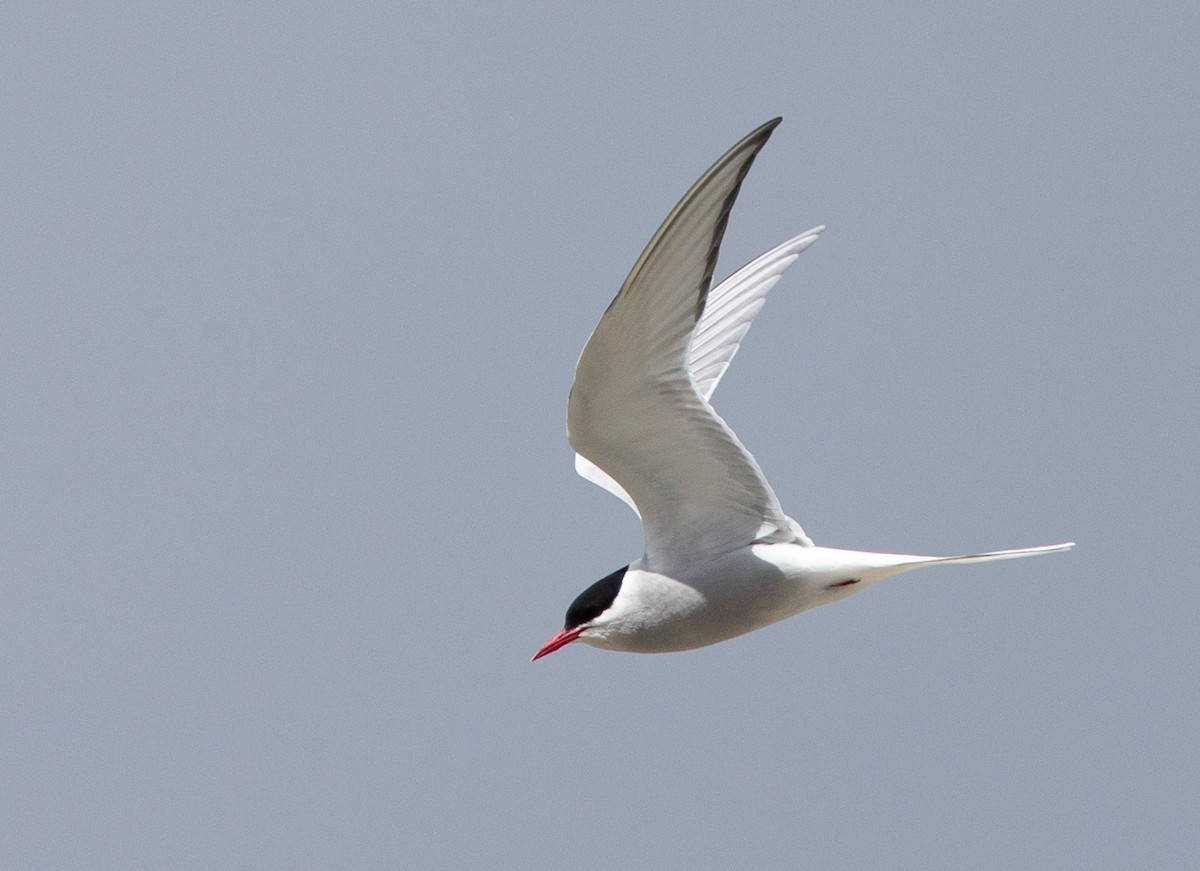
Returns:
(721, 558)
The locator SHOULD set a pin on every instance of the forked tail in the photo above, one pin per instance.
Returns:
(1001, 554)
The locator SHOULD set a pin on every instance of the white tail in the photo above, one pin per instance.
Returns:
(1001, 554)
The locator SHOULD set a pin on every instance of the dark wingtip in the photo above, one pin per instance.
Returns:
(760, 134)
(766, 129)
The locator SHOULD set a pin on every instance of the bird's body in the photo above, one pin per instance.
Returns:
(721, 558)
(743, 590)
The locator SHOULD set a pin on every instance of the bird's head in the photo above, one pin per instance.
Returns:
(587, 611)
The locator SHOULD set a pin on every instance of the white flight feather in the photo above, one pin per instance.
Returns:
(728, 313)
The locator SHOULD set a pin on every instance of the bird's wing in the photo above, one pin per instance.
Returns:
(635, 410)
(730, 309)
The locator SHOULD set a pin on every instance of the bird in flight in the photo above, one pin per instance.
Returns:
(721, 558)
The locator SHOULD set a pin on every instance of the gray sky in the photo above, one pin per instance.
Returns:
(291, 299)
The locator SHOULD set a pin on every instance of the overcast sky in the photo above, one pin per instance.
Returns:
(290, 300)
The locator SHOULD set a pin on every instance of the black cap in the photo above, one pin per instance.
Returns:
(595, 600)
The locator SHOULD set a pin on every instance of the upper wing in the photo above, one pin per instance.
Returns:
(635, 410)
(730, 309)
